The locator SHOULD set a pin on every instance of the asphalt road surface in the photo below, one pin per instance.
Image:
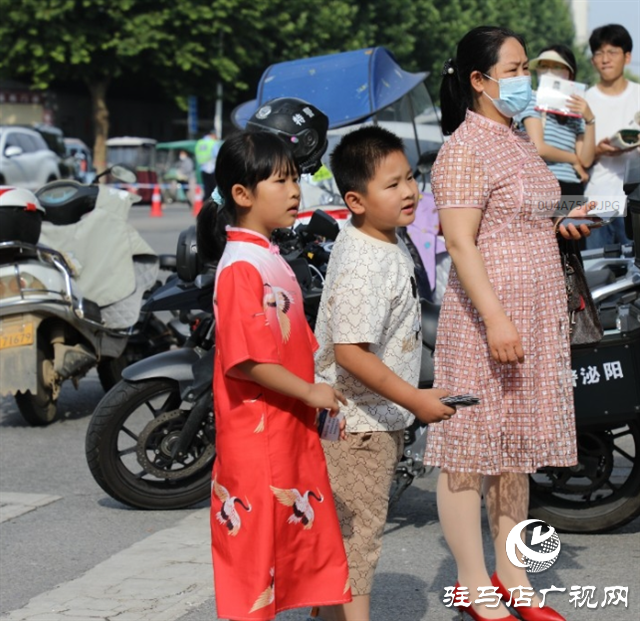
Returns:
(68, 551)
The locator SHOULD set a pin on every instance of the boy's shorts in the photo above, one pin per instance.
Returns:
(361, 470)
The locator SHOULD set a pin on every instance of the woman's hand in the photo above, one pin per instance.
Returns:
(571, 232)
(580, 106)
(324, 397)
(504, 341)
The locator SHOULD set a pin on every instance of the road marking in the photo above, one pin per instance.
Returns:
(13, 505)
(160, 578)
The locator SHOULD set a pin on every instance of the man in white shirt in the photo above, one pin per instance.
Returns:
(614, 101)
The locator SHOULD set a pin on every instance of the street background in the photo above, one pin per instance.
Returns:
(84, 556)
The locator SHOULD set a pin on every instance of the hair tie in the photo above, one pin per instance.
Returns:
(449, 67)
(218, 199)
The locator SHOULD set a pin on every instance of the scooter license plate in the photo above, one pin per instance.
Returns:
(16, 335)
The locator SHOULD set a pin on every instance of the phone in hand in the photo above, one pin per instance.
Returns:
(591, 222)
(460, 401)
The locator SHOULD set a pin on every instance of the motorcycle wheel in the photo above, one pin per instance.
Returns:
(39, 409)
(129, 442)
(602, 493)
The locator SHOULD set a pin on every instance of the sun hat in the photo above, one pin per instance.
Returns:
(553, 56)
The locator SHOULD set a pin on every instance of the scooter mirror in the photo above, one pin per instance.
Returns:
(323, 224)
(123, 173)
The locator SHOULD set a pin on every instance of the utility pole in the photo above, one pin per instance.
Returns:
(217, 119)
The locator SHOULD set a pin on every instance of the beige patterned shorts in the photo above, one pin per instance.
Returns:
(361, 470)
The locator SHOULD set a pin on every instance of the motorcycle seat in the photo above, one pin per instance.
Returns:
(430, 314)
(598, 278)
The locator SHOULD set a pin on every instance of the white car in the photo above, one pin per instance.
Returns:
(25, 159)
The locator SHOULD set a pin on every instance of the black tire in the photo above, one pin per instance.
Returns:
(128, 447)
(599, 495)
(39, 409)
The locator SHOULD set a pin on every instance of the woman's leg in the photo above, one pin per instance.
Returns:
(459, 501)
(507, 499)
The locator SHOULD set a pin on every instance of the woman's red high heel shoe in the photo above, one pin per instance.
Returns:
(473, 614)
(528, 613)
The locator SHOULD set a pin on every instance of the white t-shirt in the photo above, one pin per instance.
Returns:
(370, 296)
(613, 113)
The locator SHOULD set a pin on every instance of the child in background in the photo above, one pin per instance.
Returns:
(275, 537)
(567, 144)
(369, 330)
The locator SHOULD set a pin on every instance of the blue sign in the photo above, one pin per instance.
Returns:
(192, 119)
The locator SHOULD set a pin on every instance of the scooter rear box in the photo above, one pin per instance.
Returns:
(18, 224)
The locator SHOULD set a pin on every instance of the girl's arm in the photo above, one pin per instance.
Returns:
(277, 378)
(585, 143)
(365, 366)
(460, 228)
(586, 146)
(545, 151)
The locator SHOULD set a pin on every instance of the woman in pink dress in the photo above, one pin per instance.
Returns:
(503, 333)
(275, 535)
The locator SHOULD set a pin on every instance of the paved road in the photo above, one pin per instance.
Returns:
(68, 551)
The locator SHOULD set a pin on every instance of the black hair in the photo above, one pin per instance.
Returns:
(246, 158)
(611, 34)
(355, 160)
(478, 50)
(566, 54)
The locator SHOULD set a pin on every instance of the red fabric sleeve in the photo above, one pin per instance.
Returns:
(242, 332)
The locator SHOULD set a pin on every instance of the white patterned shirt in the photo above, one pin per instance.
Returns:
(370, 296)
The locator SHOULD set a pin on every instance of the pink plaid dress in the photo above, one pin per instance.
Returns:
(526, 418)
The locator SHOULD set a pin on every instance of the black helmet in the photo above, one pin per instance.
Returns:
(299, 124)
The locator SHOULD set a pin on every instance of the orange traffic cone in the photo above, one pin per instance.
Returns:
(197, 199)
(156, 202)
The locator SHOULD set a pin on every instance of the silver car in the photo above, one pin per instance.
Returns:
(25, 159)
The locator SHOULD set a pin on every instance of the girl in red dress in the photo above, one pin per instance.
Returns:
(276, 540)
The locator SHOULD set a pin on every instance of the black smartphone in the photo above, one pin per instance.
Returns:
(460, 401)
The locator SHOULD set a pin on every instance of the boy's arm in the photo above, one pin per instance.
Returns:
(366, 367)
(277, 378)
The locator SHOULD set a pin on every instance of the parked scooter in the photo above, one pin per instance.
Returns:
(71, 289)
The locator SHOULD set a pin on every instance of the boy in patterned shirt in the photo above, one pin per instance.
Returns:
(368, 329)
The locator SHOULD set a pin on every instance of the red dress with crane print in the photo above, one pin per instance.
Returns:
(276, 540)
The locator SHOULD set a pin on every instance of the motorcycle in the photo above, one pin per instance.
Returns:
(73, 273)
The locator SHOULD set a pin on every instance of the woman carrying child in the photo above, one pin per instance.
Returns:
(276, 540)
(503, 333)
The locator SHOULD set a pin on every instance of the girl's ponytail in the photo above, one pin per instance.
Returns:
(211, 224)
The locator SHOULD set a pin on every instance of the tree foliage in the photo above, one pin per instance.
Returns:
(187, 46)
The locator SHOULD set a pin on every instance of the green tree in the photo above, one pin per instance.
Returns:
(186, 45)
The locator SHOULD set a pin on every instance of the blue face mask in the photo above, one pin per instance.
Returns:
(515, 94)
